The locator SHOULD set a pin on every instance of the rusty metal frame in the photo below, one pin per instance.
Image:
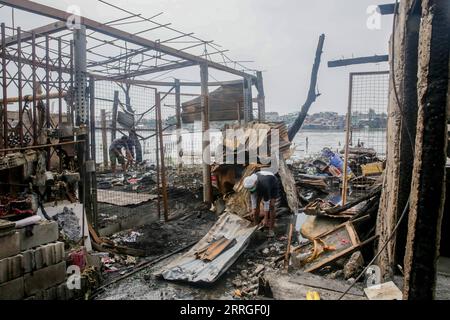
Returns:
(24, 65)
(107, 30)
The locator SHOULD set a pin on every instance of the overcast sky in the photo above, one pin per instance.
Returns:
(279, 36)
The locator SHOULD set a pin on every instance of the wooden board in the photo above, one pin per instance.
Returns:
(289, 186)
(384, 291)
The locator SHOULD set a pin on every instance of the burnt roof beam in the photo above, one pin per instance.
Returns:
(360, 60)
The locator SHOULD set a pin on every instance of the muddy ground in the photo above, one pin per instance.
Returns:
(190, 222)
(161, 238)
(146, 285)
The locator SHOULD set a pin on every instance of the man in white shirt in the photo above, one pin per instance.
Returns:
(263, 186)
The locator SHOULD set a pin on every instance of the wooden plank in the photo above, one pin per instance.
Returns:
(291, 287)
(318, 282)
(384, 291)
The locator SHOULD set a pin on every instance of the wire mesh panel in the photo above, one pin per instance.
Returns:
(125, 196)
(125, 108)
(182, 146)
(368, 119)
(369, 100)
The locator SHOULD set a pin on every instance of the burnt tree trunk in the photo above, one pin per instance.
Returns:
(312, 95)
(428, 185)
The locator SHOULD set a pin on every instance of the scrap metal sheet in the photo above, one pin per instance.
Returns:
(123, 199)
(189, 268)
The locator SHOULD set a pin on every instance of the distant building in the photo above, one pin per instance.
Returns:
(272, 116)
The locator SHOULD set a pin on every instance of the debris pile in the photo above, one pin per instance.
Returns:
(69, 225)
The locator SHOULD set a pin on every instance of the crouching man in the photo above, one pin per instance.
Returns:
(263, 186)
(115, 153)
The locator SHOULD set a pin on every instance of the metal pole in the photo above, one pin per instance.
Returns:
(59, 81)
(250, 98)
(347, 141)
(161, 152)
(47, 91)
(261, 97)
(239, 112)
(20, 85)
(246, 103)
(5, 91)
(70, 110)
(81, 111)
(80, 75)
(114, 115)
(33, 79)
(93, 151)
(104, 138)
(206, 154)
(157, 165)
(178, 115)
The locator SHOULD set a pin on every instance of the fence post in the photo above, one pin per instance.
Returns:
(161, 152)
(104, 138)
(178, 116)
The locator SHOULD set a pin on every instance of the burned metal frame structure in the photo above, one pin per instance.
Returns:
(41, 74)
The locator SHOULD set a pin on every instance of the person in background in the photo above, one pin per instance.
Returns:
(116, 155)
(307, 144)
(263, 186)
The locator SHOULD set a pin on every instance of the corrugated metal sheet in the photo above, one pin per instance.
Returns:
(223, 105)
(189, 268)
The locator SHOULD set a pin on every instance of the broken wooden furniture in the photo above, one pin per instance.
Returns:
(328, 247)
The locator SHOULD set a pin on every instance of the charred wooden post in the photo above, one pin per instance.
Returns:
(348, 129)
(409, 108)
(428, 185)
(312, 95)
(400, 131)
(162, 170)
(158, 203)
(178, 116)
(206, 153)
